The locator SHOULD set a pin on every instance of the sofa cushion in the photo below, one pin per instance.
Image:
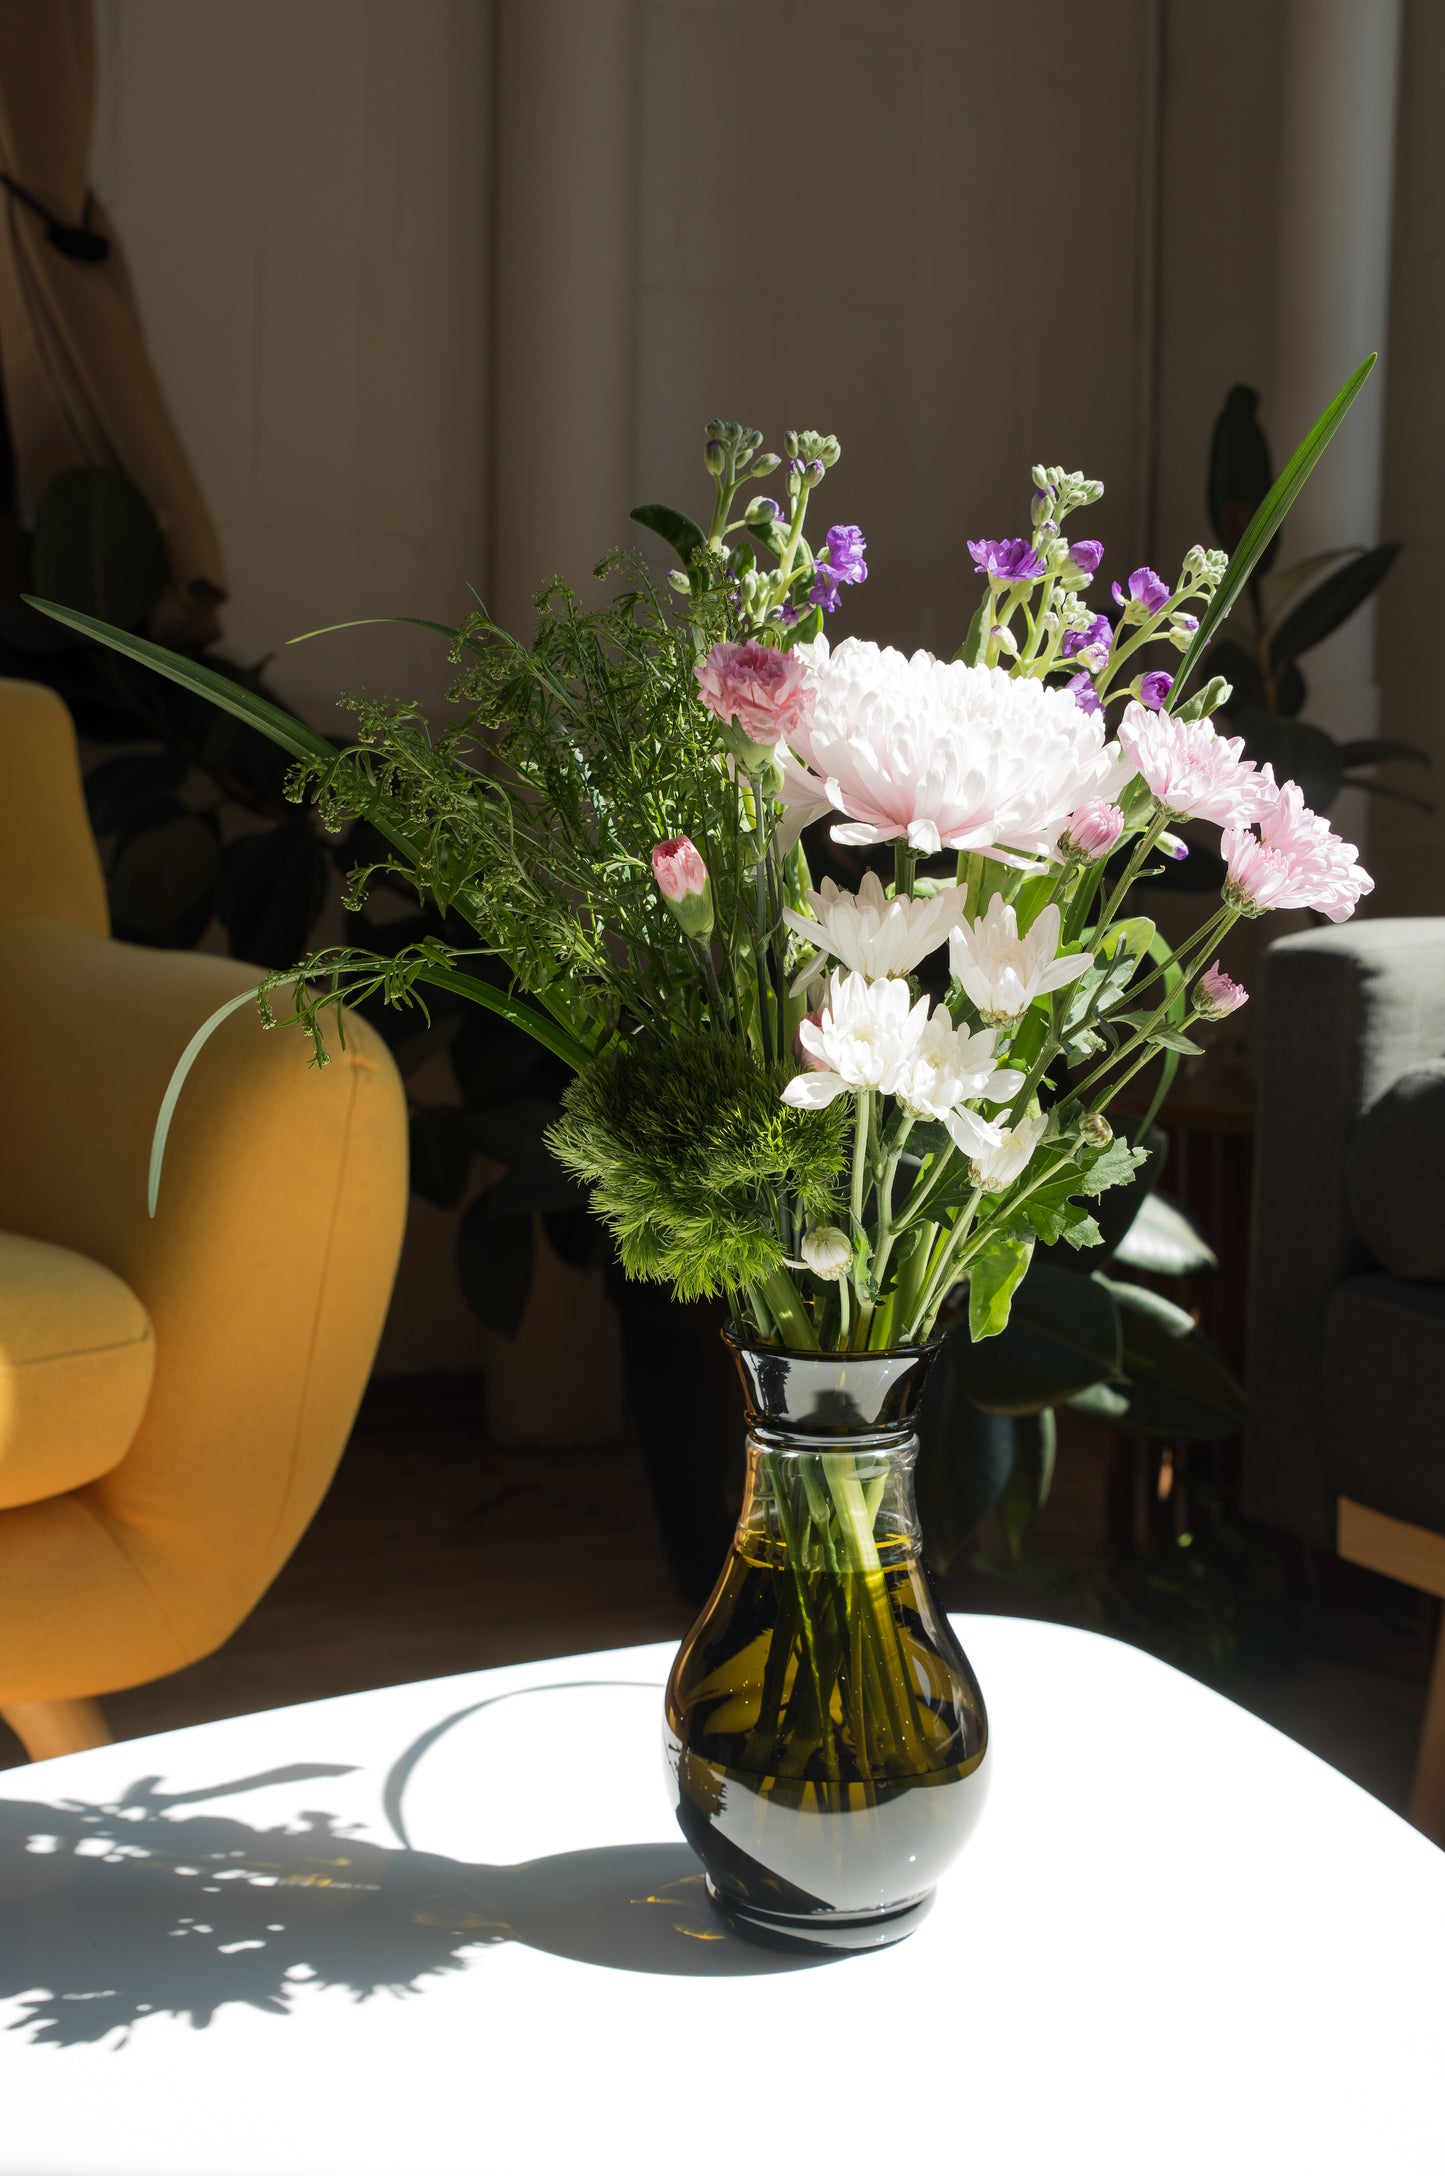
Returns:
(76, 1359)
(1382, 1392)
(1395, 1175)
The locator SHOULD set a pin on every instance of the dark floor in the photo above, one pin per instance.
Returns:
(438, 1552)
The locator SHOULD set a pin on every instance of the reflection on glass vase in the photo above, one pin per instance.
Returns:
(825, 1735)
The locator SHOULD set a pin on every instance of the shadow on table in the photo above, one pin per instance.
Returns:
(111, 1913)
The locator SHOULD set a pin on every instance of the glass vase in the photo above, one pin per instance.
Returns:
(825, 1735)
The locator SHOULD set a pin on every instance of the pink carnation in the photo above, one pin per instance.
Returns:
(1296, 861)
(1217, 995)
(1191, 771)
(766, 691)
(680, 870)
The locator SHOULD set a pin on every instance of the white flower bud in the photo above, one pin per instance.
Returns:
(828, 1252)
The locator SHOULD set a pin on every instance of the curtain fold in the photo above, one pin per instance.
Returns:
(80, 387)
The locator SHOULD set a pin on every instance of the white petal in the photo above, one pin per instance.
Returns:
(814, 1091)
(1068, 969)
(1004, 1085)
(974, 1135)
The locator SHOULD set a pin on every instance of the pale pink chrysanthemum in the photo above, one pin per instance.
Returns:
(1295, 861)
(1217, 995)
(1193, 771)
(942, 755)
(1092, 831)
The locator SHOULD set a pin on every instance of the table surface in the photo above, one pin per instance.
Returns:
(450, 1927)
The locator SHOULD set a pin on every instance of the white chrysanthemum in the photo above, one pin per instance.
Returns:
(942, 755)
(996, 1165)
(950, 1065)
(870, 932)
(864, 1036)
(1003, 972)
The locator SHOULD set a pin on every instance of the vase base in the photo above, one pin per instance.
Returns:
(822, 1931)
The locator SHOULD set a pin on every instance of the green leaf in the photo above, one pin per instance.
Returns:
(1171, 1039)
(965, 1458)
(189, 672)
(1177, 1383)
(516, 1132)
(118, 790)
(1112, 1166)
(993, 1278)
(164, 877)
(1363, 752)
(1054, 1219)
(1035, 1451)
(97, 546)
(678, 530)
(1296, 750)
(1331, 603)
(1240, 470)
(1267, 520)
(1165, 1241)
(273, 887)
(548, 1032)
(441, 1154)
(177, 1082)
(1063, 1334)
(975, 642)
(1279, 589)
(495, 1257)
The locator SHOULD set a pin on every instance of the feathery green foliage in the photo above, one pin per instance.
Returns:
(691, 1156)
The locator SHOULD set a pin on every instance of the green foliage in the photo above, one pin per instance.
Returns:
(993, 1277)
(688, 1152)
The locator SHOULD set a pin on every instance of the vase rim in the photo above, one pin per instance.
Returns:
(734, 1339)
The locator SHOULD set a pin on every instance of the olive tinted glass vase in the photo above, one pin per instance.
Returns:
(825, 1735)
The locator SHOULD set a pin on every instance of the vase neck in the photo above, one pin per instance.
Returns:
(843, 1400)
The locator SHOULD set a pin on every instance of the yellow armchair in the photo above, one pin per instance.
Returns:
(174, 1394)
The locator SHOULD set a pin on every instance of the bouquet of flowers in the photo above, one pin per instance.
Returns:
(837, 1107)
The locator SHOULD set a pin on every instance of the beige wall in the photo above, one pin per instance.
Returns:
(1408, 849)
(302, 186)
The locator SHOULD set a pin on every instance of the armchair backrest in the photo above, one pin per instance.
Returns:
(1342, 1014)
(49, 867)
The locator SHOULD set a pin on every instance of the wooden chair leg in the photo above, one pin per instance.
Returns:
(1427, 1795)
(48, 1728)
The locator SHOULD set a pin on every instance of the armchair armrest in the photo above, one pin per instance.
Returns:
(1342, 1014)
(266, 1274)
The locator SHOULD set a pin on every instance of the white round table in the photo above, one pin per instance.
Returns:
(450, 1927)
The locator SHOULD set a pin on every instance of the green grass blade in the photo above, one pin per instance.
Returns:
(188, 672)
(177, 1082)
(550, 1033)
(1267, 519)
(393, 619)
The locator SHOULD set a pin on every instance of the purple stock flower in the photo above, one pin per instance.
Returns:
(1086, 554)
(1146, 589)
(789, 615)
(1007, 559)
(846, 546)
(1186, 623)
(1081, 687)
(1096, 636)
(765, 510)
(1154, 689)
(826, 584)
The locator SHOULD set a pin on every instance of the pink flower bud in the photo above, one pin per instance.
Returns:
(1216, 994)
(1092, 831)
(683, 881)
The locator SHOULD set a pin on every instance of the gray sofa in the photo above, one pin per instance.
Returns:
(1345, 1443)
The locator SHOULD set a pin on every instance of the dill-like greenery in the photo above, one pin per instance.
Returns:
(690, 1155)
(536, 814)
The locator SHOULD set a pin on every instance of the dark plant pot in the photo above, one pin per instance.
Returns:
(824, 1732)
